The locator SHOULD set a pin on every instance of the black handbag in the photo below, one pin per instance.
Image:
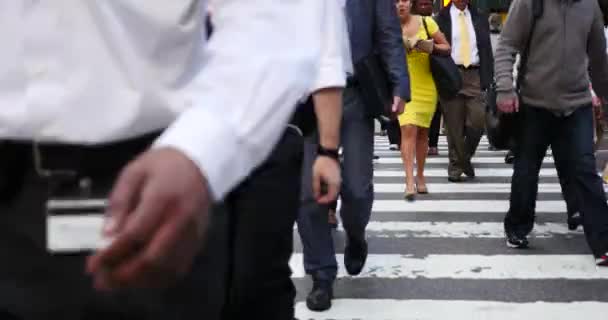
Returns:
(447, 76)
(375, 88)
(502, 127)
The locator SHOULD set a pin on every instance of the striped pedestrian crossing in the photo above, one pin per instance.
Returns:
(444, 255)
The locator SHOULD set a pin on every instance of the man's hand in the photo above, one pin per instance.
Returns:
(158, 216)
(326, 170)
(507, 103)
(596, 101)
(398, 105)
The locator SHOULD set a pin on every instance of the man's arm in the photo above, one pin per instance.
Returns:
(598, 59)
(327, 98)
(390, 43)
(259, 64)
(512, 40)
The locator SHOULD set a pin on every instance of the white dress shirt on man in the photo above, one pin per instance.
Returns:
(457, 37)
(97, 71)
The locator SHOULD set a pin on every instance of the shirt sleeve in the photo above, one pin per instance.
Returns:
(260, 61)
(598, 59)
(335, 57)
(432, 25)
(512, 41)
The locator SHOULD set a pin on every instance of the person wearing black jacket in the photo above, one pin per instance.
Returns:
(468, 32)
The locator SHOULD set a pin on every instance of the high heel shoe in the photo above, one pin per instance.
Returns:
(410, 196)
(421, 188)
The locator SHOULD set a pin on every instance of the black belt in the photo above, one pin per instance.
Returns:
(351, 81)
(50, 159)
(468, 68)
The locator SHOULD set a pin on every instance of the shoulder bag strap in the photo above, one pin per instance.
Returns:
(426, 28)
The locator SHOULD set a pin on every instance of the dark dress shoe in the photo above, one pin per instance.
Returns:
(469, 171)
(509, 158)
(319, 298)
(355, 255)
(574, 221)
(455, 178)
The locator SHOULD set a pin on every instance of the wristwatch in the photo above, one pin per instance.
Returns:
(332, 153)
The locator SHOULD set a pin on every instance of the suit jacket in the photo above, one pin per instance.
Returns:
(481, 25)
(373, 26)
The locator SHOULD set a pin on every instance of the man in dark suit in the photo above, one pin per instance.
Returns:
(468, 32)
(373, 27)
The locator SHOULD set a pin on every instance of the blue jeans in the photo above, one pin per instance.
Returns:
(571, 139)
(357, 193)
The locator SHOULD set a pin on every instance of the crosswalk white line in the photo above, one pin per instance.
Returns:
(455, 206)
(479, 172)
(369, 309)
(465, 187)
(445, 160)
(443, 152)
(459, 230)
(486, 230)
(468, 266)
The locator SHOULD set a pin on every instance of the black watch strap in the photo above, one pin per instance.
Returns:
(332, 153)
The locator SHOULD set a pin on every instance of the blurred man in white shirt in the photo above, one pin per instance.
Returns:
(86, 86)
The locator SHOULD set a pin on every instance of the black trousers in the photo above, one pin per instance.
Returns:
(37, 285)
(262, 213)
(394, 132)
(435, 128)
(241, 273)
(571, 139)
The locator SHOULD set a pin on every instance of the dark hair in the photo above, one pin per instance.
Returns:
(604, 7)
(414, 5)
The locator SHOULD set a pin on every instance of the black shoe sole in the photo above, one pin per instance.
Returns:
(317, 308)
(517, 246)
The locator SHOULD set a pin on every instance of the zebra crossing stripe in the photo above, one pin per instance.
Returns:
(468, 266)
(370, 309)
(479, 172)
(424, 229)
(464, 187)
(481, 206)
(445, 160)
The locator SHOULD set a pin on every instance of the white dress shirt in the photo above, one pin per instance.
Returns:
(457, 37)
(96, 71)
(335, 61)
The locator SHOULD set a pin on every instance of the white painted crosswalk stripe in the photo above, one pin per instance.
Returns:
(479, 172)
(425, 229)
(448, 206)
(369, 309)
(466, 266)
(464, 187)
(489, 160)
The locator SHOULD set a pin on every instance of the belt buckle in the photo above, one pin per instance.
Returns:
(45, 172)
(296, 129)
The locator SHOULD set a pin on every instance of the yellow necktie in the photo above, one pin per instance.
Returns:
(465, 46)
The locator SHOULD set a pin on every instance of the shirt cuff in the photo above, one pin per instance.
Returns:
(403, 92)
(216, 150)
(331, 75)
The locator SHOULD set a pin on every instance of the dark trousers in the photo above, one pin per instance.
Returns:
(37, 285)
(357, 192)
(435, 128)
(571, 139)
(262, 214)
(243, 272)
(394, 132)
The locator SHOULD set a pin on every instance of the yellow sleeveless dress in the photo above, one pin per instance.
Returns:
(420, 110)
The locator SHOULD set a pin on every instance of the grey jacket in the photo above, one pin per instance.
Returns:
(568, 45)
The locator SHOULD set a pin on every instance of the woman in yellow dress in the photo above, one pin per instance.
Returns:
(416, 119)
